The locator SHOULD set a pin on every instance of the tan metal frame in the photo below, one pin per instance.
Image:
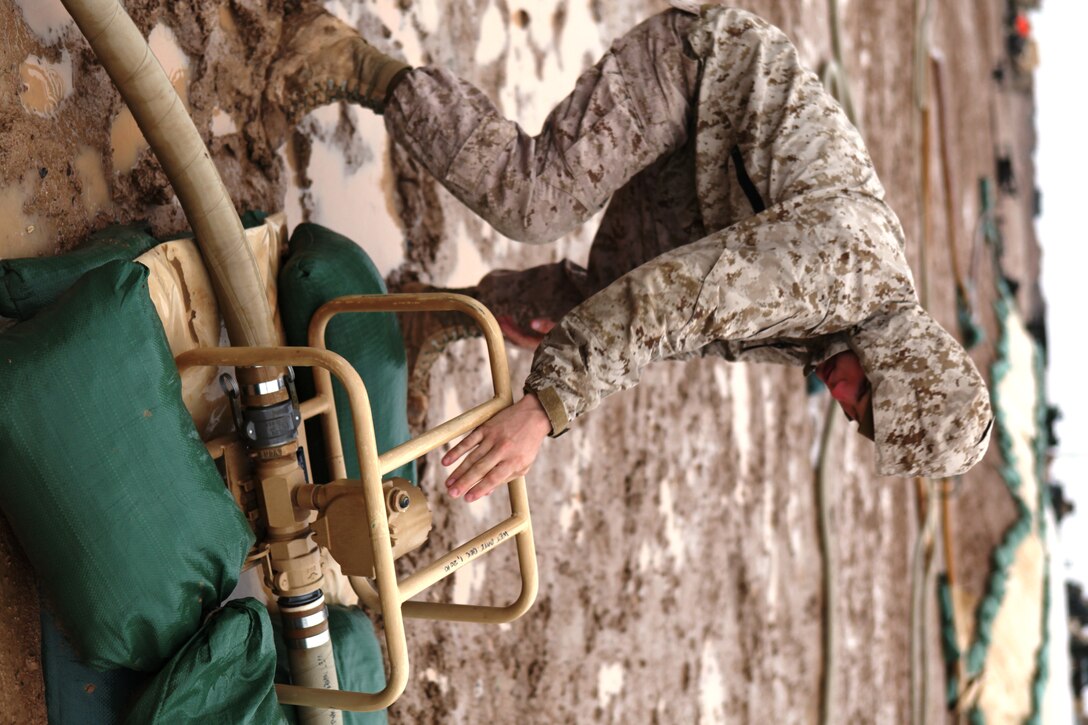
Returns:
(392, 596)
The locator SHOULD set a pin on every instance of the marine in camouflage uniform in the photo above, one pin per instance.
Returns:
(745, 220)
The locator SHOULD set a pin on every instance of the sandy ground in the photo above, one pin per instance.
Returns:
(681, 573)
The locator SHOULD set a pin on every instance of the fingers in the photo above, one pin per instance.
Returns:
(480, 478)
(487, 467)
(501, 471)
(467, 443)
(514, 334)
(469, 465)
(542, 325)
(497, 477)
(498, 451)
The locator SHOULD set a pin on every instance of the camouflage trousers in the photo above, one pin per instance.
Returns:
(538, 188)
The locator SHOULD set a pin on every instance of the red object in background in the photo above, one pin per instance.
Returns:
(1022, 25)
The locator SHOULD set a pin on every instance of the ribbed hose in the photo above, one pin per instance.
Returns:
(170, 132)
(921, 574)
(315, 668)
(837, 82)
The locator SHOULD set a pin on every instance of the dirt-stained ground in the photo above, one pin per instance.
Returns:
(677, 530)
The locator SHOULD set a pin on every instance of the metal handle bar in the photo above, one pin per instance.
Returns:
(391, 597)
(517, 526)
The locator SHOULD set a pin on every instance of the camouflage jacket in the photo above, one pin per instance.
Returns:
(821, 268)
(745, 221)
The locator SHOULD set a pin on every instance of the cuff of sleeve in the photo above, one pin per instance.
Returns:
(553, 407)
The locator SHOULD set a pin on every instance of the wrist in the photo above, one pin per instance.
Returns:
(553, 408)
(537, 415)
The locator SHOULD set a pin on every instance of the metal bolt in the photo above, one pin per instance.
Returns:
(398, 500)
(251, 431)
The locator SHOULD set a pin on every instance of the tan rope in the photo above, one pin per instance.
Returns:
(835, 79)
(828, 678)
(921, 559)
(936, 69)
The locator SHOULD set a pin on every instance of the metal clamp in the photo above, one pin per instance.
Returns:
(266, 388)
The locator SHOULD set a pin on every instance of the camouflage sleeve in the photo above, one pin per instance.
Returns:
(603, 344)
(632, 106)
(813, 266)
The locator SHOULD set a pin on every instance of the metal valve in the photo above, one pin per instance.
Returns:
(341, 507)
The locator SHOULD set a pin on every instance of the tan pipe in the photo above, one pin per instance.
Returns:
(170, 133)
(315, 669)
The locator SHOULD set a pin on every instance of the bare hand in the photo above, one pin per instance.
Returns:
(529, 340)
(501, 449)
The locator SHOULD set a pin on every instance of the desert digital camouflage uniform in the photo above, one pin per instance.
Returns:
(746, 221)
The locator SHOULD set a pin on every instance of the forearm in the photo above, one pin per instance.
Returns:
(795, 273)
(602, 346)
(487, 161)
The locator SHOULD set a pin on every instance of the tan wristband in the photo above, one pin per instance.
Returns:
(553, 407)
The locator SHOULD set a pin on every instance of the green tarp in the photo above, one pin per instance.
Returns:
(222, 676)
(107, 484)
(27, 285)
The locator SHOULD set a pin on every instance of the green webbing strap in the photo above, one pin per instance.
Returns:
(949, 646)
(971, 331)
